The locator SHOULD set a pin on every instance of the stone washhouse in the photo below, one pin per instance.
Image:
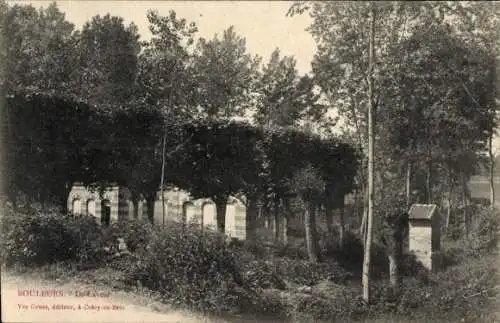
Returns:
(425, 235)
(115, 204)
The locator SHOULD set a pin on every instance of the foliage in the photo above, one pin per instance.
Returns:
(36, 239)
(264, 274)
(136, 234)
(37, 54)
(55, 143)
(303, 272)
(482, 238)
(225, 74)
(106, 62)
(285, 98)
(190, 268)
(484, 232)
(164, 76)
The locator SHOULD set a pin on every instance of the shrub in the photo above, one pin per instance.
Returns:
(86, 233)
(297, 251)
(458, 248)
(135, 232)
(263, 274)
(330, 308)
(42, 238)
(256, 248)
(484, 231)
(351, 255)
(191, 268)
(303, 272)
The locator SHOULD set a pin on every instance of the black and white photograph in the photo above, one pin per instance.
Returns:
(249, 161)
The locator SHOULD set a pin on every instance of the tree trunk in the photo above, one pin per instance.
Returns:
(251, 218)
(428, 186)
(465, 202)
(150, 204)
(397, 232)
(364, 220)
(448, 215)
(448, 200)
(220, 206)
(276, 221)
(394, 268)
(491, 171)
(310, 228)
(13, 200)
(329, 219)
(393, 271)
(367, 251)
(163, 158)
(284, 229)
(408, 185)
(135, 202)
(64, 198)
(341, 211)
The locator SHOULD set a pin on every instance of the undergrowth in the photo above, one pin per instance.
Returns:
(201, 270)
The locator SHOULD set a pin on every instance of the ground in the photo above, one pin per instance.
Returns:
(135, 308)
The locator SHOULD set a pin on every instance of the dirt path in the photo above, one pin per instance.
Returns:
(71, 302)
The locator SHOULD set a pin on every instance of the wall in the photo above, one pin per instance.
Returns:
(179, 207)
(424, 241)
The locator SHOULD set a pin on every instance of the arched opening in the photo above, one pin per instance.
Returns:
(105, 212)
(77, 206)
(159, 212)
(130, 209)
(91, 207)
(230, 219)
(189, 215)
(209, 215)
(140, 209)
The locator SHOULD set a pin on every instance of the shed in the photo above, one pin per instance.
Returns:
(425, 234)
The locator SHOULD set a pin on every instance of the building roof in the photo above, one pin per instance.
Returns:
(422, 211)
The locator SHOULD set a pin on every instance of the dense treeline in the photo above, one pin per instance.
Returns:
(53, 143)
(98, 105)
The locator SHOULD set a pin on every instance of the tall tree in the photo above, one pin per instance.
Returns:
(286, 98)
(371, 134)
(164, 77)
(225, 75)
(165, 84)
(106, 65)
(36, 50)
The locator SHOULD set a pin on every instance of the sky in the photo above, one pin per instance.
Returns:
(263, 23)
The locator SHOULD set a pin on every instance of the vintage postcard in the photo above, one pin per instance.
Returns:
(249, 161)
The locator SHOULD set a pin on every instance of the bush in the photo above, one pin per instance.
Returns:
(191, 268)
(484, 231)
(41, 238)
(86, 233)
(351, 255)
(263, 274)
(458, 248)
(303, 272)
(136, 234)
(327, 308)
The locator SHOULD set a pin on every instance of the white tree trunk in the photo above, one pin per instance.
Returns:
(367, 251)
(491, 171)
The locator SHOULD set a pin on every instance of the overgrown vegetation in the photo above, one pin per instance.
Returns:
(201, 270)
(163, 112)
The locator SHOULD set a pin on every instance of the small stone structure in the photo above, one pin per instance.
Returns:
(108, 208)
(425, 235)
(116, 204)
